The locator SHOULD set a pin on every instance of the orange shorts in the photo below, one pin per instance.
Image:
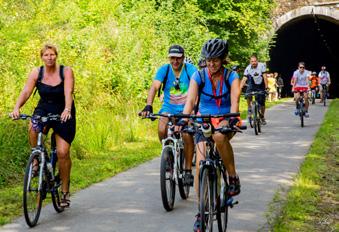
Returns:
(216, 121)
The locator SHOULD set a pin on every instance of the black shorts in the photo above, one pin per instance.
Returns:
(261, 98)
(65, 130)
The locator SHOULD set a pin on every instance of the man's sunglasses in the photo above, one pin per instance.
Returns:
(301, 67)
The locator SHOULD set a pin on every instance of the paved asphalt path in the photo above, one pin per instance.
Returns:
(131, 200)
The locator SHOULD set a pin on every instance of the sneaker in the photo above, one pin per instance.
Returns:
(296, 112)
(234, 185)
(263, 121)
(306, 115)
(188, 178)
(197, 223)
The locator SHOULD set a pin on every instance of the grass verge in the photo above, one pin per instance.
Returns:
(312, 203)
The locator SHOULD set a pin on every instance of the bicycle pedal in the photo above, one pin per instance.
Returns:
(231, 202)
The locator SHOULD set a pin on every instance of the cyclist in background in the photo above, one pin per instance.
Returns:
(188, 60)
(300, 85)
(217, 96)
(256, 79)
(325, 81)
(175, 77)
(202, 63)
(314, 83)
(55, 85)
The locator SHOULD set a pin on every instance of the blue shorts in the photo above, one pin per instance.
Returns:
(171, 110)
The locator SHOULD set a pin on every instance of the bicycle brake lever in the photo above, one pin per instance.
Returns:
(237, 129)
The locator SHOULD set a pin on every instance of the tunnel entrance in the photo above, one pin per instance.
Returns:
(312, 39)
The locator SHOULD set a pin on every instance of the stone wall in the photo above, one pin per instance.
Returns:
(284, 6)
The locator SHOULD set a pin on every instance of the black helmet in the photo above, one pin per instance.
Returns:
(188, 60)
(215, 48)
(202, 63)
(235, 67)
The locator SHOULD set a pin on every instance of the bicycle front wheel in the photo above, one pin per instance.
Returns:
(184, 188)
(32, 192)
(301, 114)
(222, 206)
(167, 180)
(255, 118)
(206, 201)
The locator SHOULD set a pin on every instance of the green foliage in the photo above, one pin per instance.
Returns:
(246, 24)
(114, 48)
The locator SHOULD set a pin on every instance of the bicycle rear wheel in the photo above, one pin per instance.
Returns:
(184, 189)
(56, 194)
(222, 207)
(206, 201)
(32, 192)
(255, 118)
(250, 121)
(167, 181)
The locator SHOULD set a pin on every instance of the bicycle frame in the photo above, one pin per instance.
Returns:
(175, 144)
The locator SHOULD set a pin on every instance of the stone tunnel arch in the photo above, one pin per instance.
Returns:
(309, 34)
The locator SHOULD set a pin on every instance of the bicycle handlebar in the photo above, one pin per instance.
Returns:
(209, 116)
(253, 93)
(192, 130)
(43, 119)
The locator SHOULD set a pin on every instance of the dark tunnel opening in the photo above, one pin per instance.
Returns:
(314, 40)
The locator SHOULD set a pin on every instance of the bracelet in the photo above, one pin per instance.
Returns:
(68, 110)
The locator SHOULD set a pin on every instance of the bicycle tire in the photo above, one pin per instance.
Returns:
(32, 209)
(222, 206)
(56, 195)
(255, 118)
(325, 97)
(301, 114)
(258, 118)
(167, 181)
(184, 189)
(250, 121)
(205, 203)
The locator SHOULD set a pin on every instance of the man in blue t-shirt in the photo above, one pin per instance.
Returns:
(174, 78)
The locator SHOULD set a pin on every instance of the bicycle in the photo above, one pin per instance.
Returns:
(40, 177)
(254, 118)
(313, 95)
(172, 164)
(301, 110)
(324, 94)
(213, 188)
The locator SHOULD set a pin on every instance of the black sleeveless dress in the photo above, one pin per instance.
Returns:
(52, 100)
